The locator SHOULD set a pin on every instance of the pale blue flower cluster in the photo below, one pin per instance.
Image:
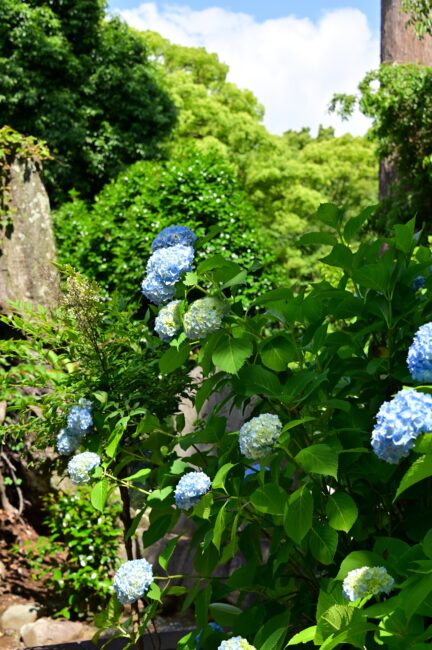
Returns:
(236, 643)
(172, 256)
(399, 423)
(81, 465)
(203, 317)
(167, 322)
(79, 422)
(190, 489)
(133, 580)
(258, 436)
(420, 355)
(367, 581)
(172, 236)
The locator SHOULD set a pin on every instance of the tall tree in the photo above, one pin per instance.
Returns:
(82, 82)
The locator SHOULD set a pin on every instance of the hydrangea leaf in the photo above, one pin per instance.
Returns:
(277, 352)
(305, 636)
(419, 470)
(99, 494)
(341, 511)
(269, 499)
(323, 542)
(230, 354)
(319, 459)
(298, 514)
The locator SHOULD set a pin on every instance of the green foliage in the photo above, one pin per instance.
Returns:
(76, 562)
(82, 83)
(398, 99)
(197, 190)
(320, 503)
(285, 177)
(420, 16)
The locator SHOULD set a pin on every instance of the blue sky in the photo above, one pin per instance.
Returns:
(293, 54)
(263, 9)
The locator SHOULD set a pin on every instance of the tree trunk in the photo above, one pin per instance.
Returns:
(399, 44)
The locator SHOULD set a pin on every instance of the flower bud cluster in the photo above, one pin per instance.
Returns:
(79, 422)
(167, 322)
(133, 580)
(420, 355)
(258, 436)
(367, 581)
(236, 643)
(81, 465)
(190, 489)
(172, 256)
(399, 423)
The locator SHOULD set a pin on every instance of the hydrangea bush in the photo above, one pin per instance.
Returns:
(325, 541)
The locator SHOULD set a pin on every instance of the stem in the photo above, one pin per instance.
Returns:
(127, 522)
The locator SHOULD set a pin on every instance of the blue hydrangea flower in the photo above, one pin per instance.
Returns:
(80, 466)
(168, 264)
(167, 322)
(236, 643)
(214, 626)
(399, 422)
(190, 489)
(155, 290)
(258, 436)
(67, 442)
(133, 580)
(79, 418)
(203, 317)
(418, 282)
(172, 236)
(420, 355)
(367, 581)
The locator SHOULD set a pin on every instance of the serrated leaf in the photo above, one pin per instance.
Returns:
(225, 614)
(165, 555)
(269, 499)
(342, 511)
(277, 352)
(230, 354)
(356, 560)
(142, 473)
(318, 459)
(219, 479)
(173, 358)
(305, 636)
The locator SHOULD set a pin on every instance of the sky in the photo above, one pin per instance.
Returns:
(293, 54)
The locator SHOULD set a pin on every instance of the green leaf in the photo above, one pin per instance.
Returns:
(329, 214)
(219, 479)
(419, 470)
(323, 542)
(318, 459)
(272, 634)
(142, 473)
(160, 494)
(224, 614)
(154, 592)
(99, 494)
(256, 380)
(203, 507)
(404, 236)
(354, 224)
(356, 560)
(165, 555)
(427, 544)
(277, 352)
(298, 514)
(219, 526)
(305, 636)
(372, 276)
(414, 594)
(116, 436)
(269, 499)
(230, 354)
(317, 238)
(341, 511)
(340, 256)
(173, 359)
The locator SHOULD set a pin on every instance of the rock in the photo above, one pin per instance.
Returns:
(2, 571)
(47, 631)
(27, 244)
(15, 616)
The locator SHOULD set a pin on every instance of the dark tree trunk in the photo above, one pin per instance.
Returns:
(399, 44)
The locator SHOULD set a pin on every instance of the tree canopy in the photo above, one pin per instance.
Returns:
(82, 82)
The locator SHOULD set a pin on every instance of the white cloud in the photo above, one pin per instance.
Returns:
(292, 65)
